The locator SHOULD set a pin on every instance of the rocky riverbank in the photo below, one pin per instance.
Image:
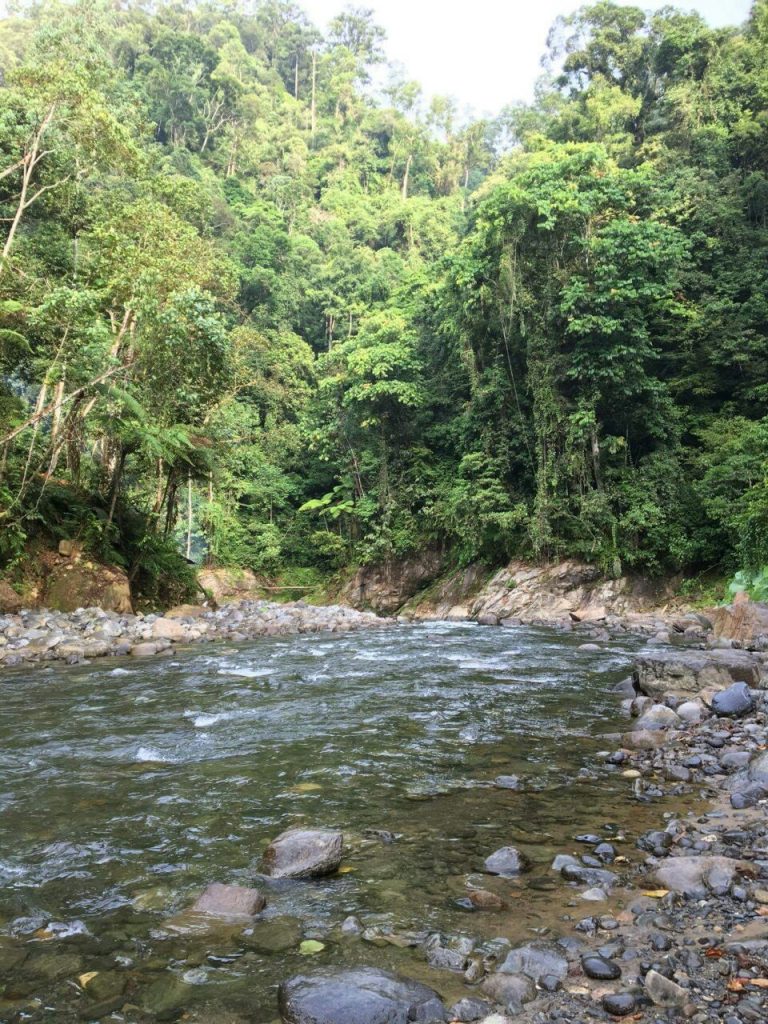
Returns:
(42, 635)
(673, 929)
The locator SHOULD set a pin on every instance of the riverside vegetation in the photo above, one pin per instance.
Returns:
(256, 310)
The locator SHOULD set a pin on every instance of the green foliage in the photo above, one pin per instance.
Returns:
(251, 313)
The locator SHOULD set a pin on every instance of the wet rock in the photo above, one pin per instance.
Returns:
(165, 996)
(506, 862)
(467, 1010)
(686, 671)
(588, 876)
(733, 702)
(656, 842)
(506, 782)
(481, 899)
(362, 995)
(749, 795)
(230, 901)
(663, 991)
(304, 853)
(599, 968)
(277, 935)
(510, 990)
(619, 1004)
(535, 960)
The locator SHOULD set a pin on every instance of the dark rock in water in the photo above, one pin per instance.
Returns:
(599, 968)
(735, 701)
(619, 1004)
(655, 842)
(606, 852)
(481, 899)
(304, 853)
(535, 960)
(470, 1009)
(588, 876)
(511, 990)
(230, 901)
(506, 862)
(362, 995)
(277, 935)
(626, 688)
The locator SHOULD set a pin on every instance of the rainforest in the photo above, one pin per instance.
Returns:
(265, 305)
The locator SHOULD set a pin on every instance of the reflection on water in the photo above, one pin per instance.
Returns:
(124, 790)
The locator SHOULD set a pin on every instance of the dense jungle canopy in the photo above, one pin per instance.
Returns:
(263, 304)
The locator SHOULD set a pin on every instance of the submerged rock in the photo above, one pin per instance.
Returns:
(362, 995)
(304, 853)
(230, 901)
(507, 862)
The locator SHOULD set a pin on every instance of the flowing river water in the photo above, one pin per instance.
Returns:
(126, 787)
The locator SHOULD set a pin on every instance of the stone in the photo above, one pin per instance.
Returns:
(693, 876)
(10, 601)
(70, 548)
(663, 991)
(691, 712)
(758, 768)
(599, 968)
(658, 717)
(230, 901)
(186, 611)
(484, 900)
(468, 1009)
(506, 782)
(168, 629)
(733, 702)
(688, 671)
(535, 961)
(304, 853)
(588, 876)
(744, 621)
(363, 995)
(619, 1004)
(72, 585)
(144, 650)
(510, 990)
(506, 862)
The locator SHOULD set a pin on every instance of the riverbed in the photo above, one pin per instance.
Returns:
(126, 787)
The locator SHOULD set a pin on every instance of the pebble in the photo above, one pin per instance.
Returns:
(619, 1004)
(599, 968)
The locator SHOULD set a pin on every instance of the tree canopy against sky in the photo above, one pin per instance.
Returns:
(253, 311)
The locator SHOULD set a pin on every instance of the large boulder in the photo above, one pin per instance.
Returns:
(362, 995)
(304, 853)
(10, 602)
(225, 585)
(387, 586)
(685, 671)
(744, 621)
(73, 585)
(167, 628)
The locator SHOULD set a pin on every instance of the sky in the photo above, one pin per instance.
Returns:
(485, 53)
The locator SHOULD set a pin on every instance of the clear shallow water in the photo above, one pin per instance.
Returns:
(126, 788)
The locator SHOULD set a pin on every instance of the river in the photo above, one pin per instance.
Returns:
(126, 787)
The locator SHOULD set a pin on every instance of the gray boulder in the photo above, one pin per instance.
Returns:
(733, 702)
(304, 853)
(230, 901)
(362, 995)
(696, 877)
(660, 671)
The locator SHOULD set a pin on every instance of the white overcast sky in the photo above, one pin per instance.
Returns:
(485, 53)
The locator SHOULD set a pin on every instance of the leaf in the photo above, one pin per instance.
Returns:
(311, 946)
(83, 979)
(656, 893)
(345, 870)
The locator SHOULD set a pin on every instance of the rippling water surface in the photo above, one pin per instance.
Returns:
(126, 787)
